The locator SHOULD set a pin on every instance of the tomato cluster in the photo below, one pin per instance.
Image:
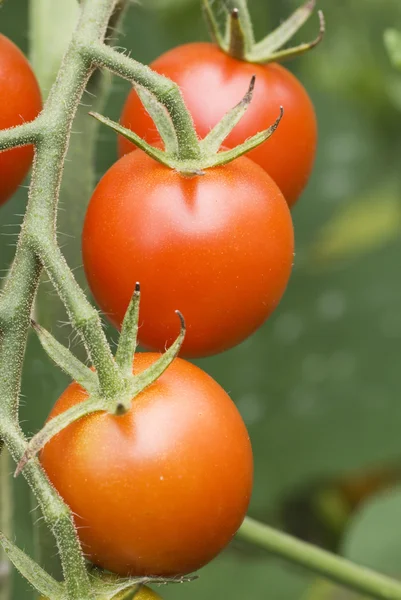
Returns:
(162, 489)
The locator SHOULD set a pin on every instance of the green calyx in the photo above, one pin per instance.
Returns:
(117, 404)
(235, 37)
(203, 154)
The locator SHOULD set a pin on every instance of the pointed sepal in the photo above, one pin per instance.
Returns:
(161, 119)
(237, 10)
(261, 55)
(66, 360)
(129, 333)
(212, 142)
(37, 577)
(57, 424)
(237, 46)
(152, 373)
(222, 158)
(280, 36)
(151, 151)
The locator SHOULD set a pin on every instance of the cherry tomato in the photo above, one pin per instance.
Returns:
(162, 489)
(212, 83)
(218, 247)
(20, 102)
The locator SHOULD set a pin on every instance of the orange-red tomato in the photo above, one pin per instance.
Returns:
(162, 489)
(20, 102)
(218, 247)
(212, 83)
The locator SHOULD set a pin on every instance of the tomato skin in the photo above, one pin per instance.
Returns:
(162, 489)
(212, 83)
(218, 247)
(20, 102)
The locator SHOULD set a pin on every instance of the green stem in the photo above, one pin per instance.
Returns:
(164, 90)
(56, 514)
(5, 522)
(333, 567)
(84, 318)
(21, 283)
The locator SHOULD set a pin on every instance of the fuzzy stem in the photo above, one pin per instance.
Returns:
(164, 90)
(85, 319)
(55, 512)
(27, 133)
(21, 283)
(5, 522)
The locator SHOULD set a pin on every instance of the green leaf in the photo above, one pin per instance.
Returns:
(373, 537)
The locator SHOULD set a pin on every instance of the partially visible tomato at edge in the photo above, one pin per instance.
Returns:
(162, 489)
(144, 593)
(218, 247)
(20, 101)
(212, 83)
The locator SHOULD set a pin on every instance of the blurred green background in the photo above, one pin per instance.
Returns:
(319, 385)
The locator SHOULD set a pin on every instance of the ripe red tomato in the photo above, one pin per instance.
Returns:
(20, 102)
(218, 247)
(212, 83)
(162, 489)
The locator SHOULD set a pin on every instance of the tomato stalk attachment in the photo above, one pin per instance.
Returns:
(237, 40)
(208, 148)
(131, 385)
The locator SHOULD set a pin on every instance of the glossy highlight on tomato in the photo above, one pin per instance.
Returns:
(162, 489)
(212, 83)
(20, 101)
(218, 247)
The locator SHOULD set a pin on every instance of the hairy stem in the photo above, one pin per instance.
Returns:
(5, 522)
(164, 90)
(55, 512)
(21, 283)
